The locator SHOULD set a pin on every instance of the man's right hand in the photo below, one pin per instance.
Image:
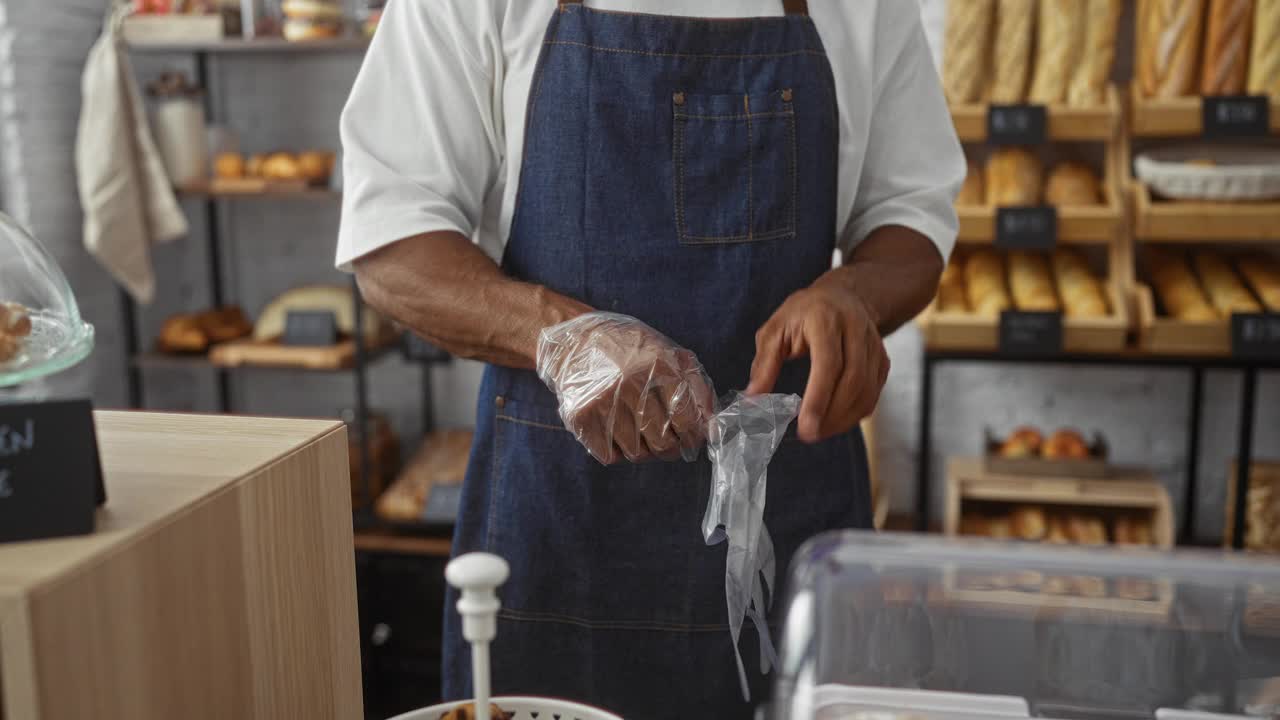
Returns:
(625, 390)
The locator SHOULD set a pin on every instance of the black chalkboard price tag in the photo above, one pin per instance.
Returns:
(1017, 124)
(310, 327)
(50, 474)
(1027, 228)
(1236, 116)
(416, 349)
(1030, 333)
(1255, 336)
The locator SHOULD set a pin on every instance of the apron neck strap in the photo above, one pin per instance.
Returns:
(791, 7)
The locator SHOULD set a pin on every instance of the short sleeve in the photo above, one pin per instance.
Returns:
(914, 164)
(421, 130)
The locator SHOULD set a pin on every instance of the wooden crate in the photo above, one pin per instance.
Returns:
(1164, 335)
(1099, 123)
(1175, 117)
(1183, 221)
(1261, 472)
(968, 480)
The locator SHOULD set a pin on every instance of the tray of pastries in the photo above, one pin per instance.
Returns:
(1063, 453)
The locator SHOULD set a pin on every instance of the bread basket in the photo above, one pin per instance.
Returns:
(1208, 172)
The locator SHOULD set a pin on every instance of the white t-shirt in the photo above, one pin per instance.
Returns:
(433, 131)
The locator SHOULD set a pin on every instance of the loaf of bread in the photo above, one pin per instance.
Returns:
(965, 49)
(1093, 70)
(1059, 40)
(1226, 47)
(1081, 292)
(973, 191)
(1065, 444)
(1263, 274)
(1072, 183)
(1057, 533)
(1030, 282)
(984, 283)
(1011, 56)
(1222, 285)
(1028, 523)
(1014, 177)
(1264, 56)
(951, 294)
(1168, 46)
(1022, 442)
(1086, 530)
(1177, 288)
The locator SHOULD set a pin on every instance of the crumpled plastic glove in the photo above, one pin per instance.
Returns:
(625, 390)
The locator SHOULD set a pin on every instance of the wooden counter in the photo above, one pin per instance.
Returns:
(220, 582)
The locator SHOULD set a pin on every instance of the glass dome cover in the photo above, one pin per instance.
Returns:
(58, 338)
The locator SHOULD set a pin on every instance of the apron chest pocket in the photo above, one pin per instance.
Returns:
(735, 167)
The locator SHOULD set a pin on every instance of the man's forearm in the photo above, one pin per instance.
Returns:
(447, 290)
(894, 272)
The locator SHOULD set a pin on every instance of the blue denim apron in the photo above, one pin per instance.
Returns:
(682, 171)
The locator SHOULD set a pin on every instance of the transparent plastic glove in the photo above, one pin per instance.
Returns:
(741, 440)
(625, 389)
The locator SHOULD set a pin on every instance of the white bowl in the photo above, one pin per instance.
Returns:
(1238, 172)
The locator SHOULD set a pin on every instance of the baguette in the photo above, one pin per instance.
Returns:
(1264, 59)
(1013, 177)
(1081, 292)
(1060, 39)
(984, 283)
(1179, 291)
(1071, 183)
(1222, 285)
(1226, 47)
(1089, 79)
(1011, 57)
(1263, 274)
(1030, 282)
(1168, 46)
(968, 32)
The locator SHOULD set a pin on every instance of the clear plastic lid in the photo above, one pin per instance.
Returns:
(892, 626)
(41, 331)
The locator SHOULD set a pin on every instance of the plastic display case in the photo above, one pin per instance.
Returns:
(885, 626)
(32, 284)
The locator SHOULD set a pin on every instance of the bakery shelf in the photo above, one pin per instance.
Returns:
(1160, 335)
(257, 45)
(1099, 123)
(1078, 225)
(204, 190)
(1176, 117)
(1181, 221)
(318, 360)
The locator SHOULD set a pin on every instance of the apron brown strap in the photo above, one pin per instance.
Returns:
(791, 7)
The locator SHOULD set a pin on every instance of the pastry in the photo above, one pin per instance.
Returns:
(1030, 282)
(1057, 532)
(1072, 183)
(311, 19)
(1082, 294)
(332, 298)
(315, 167)
(182, 334)
(1263, 273)
(1227, 294)
(984, 283)
(999, 528)
(1086, 530)
(1013, 177)
(224, 324)
(1264, 56)
(229, 166)
(468, 712)
(1023, 442)
(1168, 46)
(1089, 79)
(15, 320)
(1028, 523)
(1177, 288)
(281, 166)
(1065, 444)
(972, 191)
(965, 49)
(1011, 56)
(253, 166)
(1226, 47)
(1059, 41)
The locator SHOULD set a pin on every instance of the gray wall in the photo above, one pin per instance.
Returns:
(293, 102)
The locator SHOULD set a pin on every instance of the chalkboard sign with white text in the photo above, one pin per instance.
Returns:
(1236, 116)
(1027, 228)
(1030, 333)
(1016, 124)
(50, 475)
(310, 327)
(1255, 336)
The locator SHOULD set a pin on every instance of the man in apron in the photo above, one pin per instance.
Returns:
(691, 167)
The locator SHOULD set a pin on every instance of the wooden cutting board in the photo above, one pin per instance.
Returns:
(248, 351)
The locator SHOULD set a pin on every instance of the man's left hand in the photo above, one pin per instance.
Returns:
(848, 364)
